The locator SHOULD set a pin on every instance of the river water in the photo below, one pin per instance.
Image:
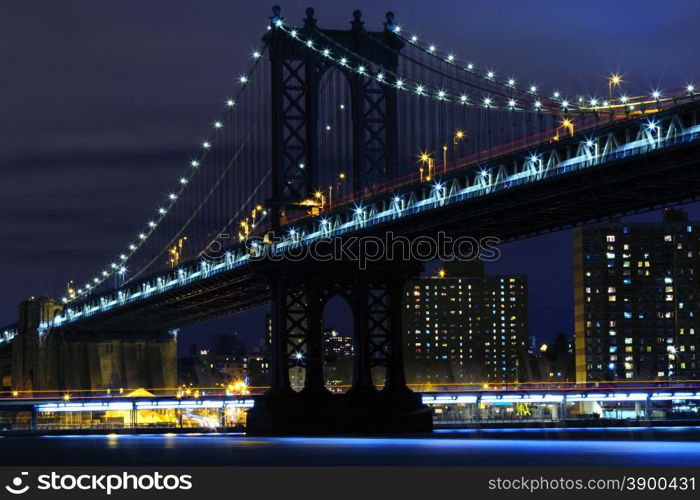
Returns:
(533, 447)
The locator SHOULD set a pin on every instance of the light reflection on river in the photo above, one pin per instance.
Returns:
(501, 447)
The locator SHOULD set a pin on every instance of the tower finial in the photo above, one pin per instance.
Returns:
(310, 22)
(356, 22)
(276, 20)
(389, 24)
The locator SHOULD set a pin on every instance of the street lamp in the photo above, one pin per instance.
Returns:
(425, 158)
(614, 81)
(321, 198)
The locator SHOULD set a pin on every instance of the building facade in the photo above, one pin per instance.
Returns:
(636, 300)
(464, 327)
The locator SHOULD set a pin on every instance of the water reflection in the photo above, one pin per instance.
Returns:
(462, 447)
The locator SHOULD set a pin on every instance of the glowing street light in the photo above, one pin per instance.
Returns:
(425, 158)
(615, 80)
(568, 125)
(321, 198)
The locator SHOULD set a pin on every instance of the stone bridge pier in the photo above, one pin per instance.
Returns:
(65, 359)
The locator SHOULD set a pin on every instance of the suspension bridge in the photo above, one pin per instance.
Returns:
(339, 134)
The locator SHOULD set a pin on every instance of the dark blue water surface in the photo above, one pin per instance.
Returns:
(645, 446)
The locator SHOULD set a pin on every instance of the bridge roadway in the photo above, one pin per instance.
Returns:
(621, 168)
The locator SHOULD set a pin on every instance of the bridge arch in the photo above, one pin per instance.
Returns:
(339, 342)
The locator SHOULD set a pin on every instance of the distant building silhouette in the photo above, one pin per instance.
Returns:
(259, 359)
(226, 362)
(337, 357)
(554, 362)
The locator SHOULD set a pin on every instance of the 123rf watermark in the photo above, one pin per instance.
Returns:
(363, 249)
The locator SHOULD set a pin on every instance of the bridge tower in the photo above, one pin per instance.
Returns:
(296, 73)
(299, 290)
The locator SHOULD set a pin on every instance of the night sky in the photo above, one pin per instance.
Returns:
(102, 103)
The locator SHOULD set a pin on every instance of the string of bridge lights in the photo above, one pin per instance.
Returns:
(508, 85)
(592, 104)
(584, 104)
(511, 83)
(409, 85)
(118, 265)
(414, 86)
(512, 104)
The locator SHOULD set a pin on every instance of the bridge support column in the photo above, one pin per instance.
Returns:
(396, 375)
(376, 297)
(313, 380)
(362, 371)
(378, 313)
(399, 409)
(280, 356)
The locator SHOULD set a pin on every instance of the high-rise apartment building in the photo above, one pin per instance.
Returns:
(463, 326)
(636, 300)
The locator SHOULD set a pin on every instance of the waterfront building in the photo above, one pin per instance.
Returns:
(636, 300)
(461, 326)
